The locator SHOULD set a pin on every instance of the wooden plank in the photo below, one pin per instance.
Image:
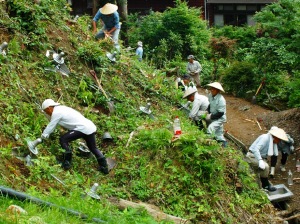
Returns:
(258, 124)
(151, 209)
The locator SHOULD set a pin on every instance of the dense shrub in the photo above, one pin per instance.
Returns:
(238, 78)
(279, 31)
(244, 36)
(294, 93)
(176, 32)
(273, 47)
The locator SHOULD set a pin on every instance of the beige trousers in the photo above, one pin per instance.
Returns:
(253, 162)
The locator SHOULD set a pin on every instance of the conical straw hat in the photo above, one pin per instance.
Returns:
(189, 91)
(108, 9)
(216, 85)
(279, 133)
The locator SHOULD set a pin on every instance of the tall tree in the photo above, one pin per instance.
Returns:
(278, 47)
(123, 11)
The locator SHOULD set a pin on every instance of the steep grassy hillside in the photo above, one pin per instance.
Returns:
(191, 177)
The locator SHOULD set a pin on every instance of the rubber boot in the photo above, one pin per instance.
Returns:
(103, 165)
(66, 165)
(272, 173)
(200, 125)
(282, 168)
(266, 184)
(224, 144)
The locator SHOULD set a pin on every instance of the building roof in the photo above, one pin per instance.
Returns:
(241, 1)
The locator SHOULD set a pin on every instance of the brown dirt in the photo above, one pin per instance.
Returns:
(246, 121)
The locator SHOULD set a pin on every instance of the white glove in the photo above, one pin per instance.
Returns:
(292, 149)
(261, 164)
(208, 117)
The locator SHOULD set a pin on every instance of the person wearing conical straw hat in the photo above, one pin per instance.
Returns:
(216, 115)
(200, 104)
(109, 16)
(265, 145)
(286, 148)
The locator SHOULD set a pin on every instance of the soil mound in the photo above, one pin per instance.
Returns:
(288, 120)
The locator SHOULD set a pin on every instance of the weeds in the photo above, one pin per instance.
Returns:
(183, 177)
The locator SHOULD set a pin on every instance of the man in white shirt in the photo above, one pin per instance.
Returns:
(265, 145)
(200, 104)
(78, 127)
(193, 69)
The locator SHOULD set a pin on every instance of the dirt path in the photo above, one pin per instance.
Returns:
(244, 121)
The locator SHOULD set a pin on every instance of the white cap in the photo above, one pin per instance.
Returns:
(216, 85)
(190, 90)
(140, 43)
(279, 133)
(108, 8)
(49, 103)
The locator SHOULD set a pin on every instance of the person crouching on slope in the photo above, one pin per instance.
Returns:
(78, 127)
(216, 116)
(265, 145)
(200, 105)
(109, 16)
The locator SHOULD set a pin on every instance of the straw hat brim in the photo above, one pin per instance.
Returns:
(108, 9)
(188, 92)
(216, 85)
(279, 133)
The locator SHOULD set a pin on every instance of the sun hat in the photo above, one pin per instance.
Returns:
(189, 91)
(278, 133)
(108, 8)
(216, 85)
(190, 57)
(140, 43)
(49, 103)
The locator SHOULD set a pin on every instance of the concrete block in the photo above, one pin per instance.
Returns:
(281, 194)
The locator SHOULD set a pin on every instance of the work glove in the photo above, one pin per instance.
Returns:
(202, 114)
(208, 118)
(261, 164)
(292, 149)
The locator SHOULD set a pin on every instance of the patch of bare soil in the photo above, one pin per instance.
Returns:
(247, 121)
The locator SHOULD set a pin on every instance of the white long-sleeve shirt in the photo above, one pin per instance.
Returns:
(200, 104)
(194, 67)
(260, 146)
(70, 119)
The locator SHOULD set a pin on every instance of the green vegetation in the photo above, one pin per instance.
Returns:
(274, 51)
(192, 177)
(271, 46)
(176, 33)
